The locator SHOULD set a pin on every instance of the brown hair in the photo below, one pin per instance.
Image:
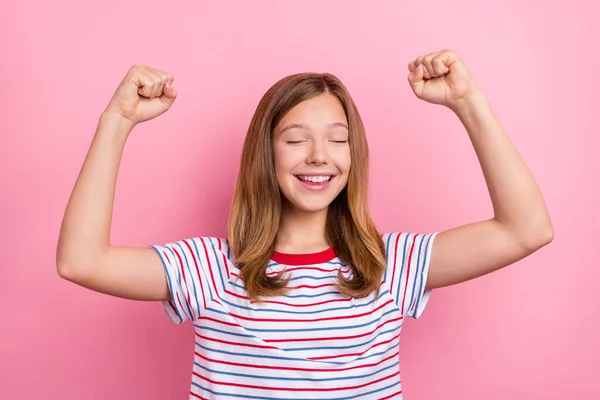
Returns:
(256, 209)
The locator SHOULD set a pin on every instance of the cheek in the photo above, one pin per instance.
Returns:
(284, 162)
(344, 160)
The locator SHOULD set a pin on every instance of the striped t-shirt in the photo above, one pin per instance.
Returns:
(312, 343)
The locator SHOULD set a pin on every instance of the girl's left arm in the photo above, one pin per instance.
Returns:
(521, 224)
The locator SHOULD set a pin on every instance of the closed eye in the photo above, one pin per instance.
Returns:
(339, 141)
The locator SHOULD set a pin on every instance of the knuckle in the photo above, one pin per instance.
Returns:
(137, 67)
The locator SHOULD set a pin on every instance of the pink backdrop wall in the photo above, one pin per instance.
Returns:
(526, 332)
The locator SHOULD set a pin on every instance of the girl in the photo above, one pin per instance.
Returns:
(304, 299)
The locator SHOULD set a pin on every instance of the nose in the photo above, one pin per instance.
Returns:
(317, 154)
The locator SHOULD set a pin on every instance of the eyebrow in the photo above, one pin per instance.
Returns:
(303, 126)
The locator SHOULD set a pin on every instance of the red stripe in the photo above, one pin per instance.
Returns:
(167, 257)
(354, 354)
(180, 305)
(352, 316)
(218, 321)
(278, 367)
(183, 274)
(198, 396)
(408, 272)
(312, 286)
(257, 346)
(197, 271)
(211, 339)
(310, 269)
(308, 305)
(170, 302)
(288, 304)
(335, 337)
(304, 259)
(398, 393)
(210, 269)
(387, 341)
(299, 286)
(291, 389)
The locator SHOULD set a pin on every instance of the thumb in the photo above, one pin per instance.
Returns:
(169, 94)
(415, 78)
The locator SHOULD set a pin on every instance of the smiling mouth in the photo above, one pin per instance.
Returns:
(314, 178)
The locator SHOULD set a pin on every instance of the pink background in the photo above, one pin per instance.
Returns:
(526, 332)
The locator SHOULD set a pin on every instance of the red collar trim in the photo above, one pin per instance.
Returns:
(304, 259)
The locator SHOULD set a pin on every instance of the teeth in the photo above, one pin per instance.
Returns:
(315, 179)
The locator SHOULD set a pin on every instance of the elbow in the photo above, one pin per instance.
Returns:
(548, 236)
(75, 263)
(69, 270)
(540, 238)
(64, 268)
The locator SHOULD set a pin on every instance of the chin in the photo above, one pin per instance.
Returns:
(308, 206)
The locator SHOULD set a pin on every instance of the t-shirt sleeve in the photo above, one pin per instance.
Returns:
(187, 269)
(408, 256)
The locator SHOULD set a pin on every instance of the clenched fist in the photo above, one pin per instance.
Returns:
(441, 78)
(144, 93)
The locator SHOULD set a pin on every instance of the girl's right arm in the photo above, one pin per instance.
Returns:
(84, 253)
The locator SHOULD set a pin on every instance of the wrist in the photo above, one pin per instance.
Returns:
(474, 111)
(115, 122)
(113, 130)
(472, 102)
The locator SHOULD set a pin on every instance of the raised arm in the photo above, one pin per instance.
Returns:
(521, 224)
(84, 253)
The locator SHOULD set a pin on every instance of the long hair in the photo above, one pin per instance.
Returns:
(257, 204)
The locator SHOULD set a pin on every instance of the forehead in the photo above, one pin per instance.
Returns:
(323, 110)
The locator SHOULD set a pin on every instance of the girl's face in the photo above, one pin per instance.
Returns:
(312, 154)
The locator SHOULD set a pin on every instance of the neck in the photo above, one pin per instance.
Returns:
(301, 231)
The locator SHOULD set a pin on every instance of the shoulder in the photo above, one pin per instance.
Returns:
(402, 242)
(208, 251)
(198, 243)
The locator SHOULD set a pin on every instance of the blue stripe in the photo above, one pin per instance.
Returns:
(191, 275)
(237, 285)
(335, 328)
(354, 306)
(190, 315)
(203, 271)
(402, 263)
(343, 347)
(263, 356)
(354, 396)
(399, 328)
(393, 346)
(228, 332)
(279, 378)
(155, 248)
(387, 259)
(423, 277)
(296, 296)
(219, 266)
(337, 263)
(318, 278)
(416, 274)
